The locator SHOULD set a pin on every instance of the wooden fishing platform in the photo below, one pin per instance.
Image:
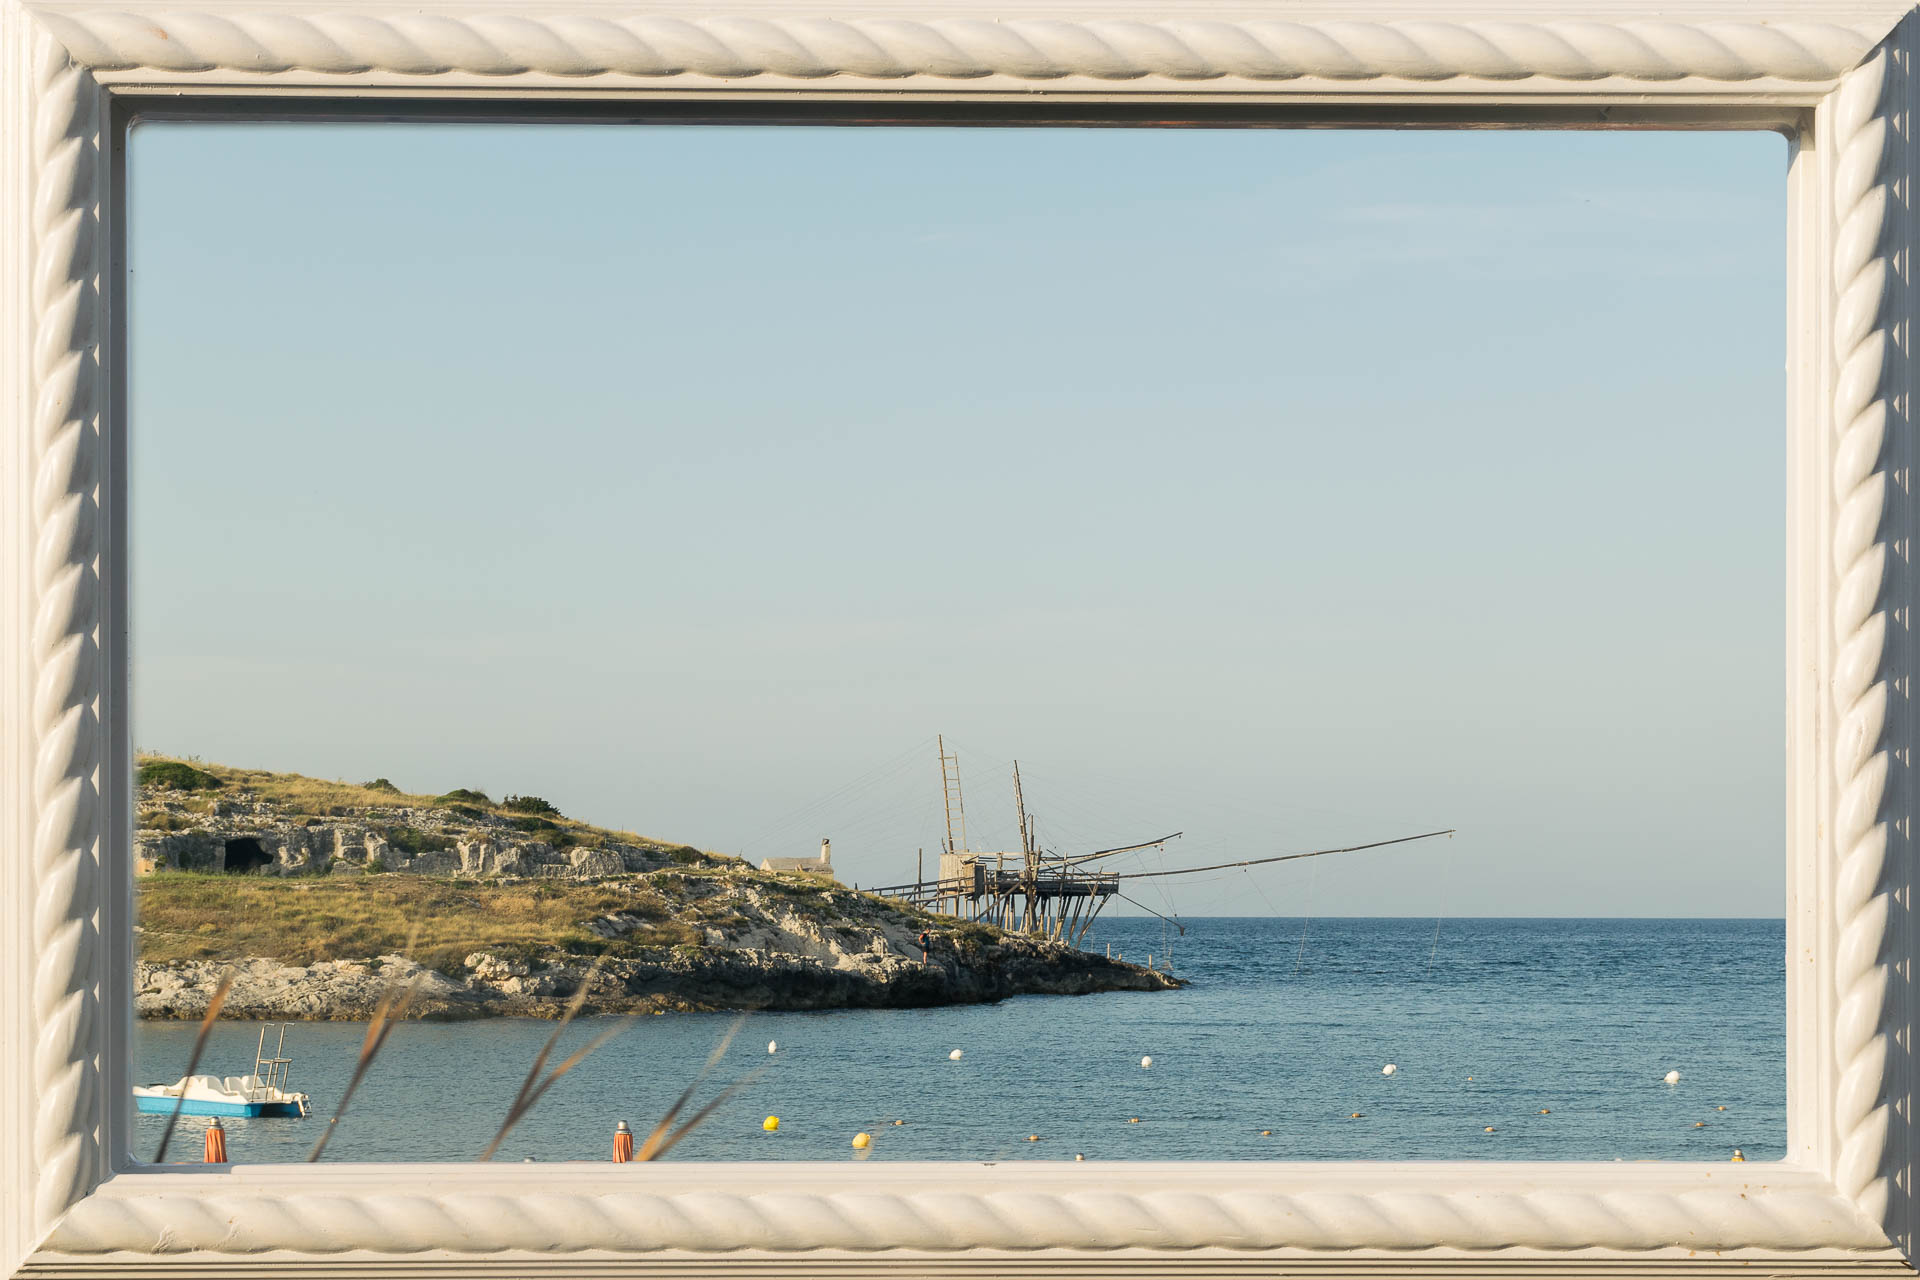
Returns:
(1040, 892)
(1029, 890)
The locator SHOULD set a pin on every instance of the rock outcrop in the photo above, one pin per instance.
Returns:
(675, 928)
(682, 980)
(256, 837)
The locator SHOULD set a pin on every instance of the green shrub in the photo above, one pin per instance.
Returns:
(461, 795)
(381, 784)
(973, 937)
(530, 804)
(376, 864)
(541, 827)
(414, 842)
(686, 855)
(176, 776)
(161, 820)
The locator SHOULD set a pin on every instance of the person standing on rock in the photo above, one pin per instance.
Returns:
(926, 945)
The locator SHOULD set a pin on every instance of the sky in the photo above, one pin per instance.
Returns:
(1288, 489)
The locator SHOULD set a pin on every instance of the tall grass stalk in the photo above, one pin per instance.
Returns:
(214, 1003)
(660, 1141)
(392, 1009)
(535, 1086)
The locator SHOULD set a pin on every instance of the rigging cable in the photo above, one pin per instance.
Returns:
(1306, 920)
(1150, 911)
(1255, 886)
(1284, 857)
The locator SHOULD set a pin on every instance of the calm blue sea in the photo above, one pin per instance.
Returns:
(1554, 1033)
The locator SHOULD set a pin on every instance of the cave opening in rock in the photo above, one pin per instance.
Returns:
(244, 854)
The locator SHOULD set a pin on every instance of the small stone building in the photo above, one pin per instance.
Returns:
(820, 866)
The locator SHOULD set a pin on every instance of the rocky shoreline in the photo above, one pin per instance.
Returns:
(321, 897)
(497, 986)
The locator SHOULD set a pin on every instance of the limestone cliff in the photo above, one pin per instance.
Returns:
(311, 893)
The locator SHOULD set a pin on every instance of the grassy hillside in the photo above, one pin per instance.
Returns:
(193, 916)
(692, 901)
(175, 793)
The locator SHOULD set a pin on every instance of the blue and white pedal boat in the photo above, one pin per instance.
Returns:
(262, 1093)
(214, 1096)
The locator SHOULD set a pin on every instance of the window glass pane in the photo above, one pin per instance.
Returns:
(539, 529)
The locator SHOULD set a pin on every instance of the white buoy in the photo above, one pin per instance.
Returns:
(1673, 1077)
(1146, 1064)
(1388, 1070)
(773, 1046)
(954, 1056)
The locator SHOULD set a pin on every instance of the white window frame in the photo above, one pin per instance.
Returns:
(1833, 76)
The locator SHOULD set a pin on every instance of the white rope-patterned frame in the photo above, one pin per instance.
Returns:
(76, 1204)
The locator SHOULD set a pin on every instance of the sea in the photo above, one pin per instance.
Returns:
(1510, 1039)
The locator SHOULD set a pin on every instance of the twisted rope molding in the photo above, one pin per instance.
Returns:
(956, 1220)
(1863, 350)
(953, 48)
(64, 649)
(66, 600)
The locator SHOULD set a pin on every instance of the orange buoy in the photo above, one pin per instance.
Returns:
(622, 1143)
(1354, 1116)
(216, 1144)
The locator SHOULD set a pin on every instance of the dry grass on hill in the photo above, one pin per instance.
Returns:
(300, 796)
(185, 916)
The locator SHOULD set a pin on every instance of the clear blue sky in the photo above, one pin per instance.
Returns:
(1287, 488)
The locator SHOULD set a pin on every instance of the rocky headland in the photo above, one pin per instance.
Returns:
(321, 897)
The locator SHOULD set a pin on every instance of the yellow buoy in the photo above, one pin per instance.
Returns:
(1719, 1108)
(1488, 1129)
(1078, 1156)
(1545, 1112)
(1266, 1133)
(899, 1121)
(1699, 1124)
(861, 1141)
(770, 1123)
(1356, 1115)
(1134, 1120)
(1739, 1156)
(1033, 1137)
